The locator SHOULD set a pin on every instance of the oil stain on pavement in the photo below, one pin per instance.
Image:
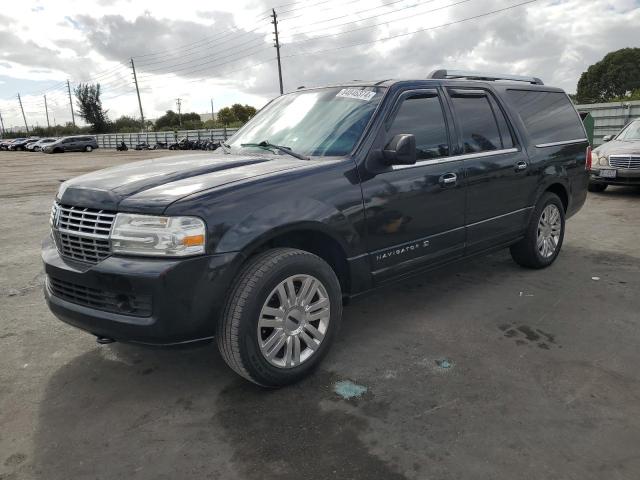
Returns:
(525, 335)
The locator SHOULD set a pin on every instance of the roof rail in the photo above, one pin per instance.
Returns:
(444, 74)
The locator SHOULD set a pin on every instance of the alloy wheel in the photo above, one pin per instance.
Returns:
(549, 230)
(294, 321)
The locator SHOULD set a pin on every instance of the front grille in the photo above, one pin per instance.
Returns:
(625, 161)
(82, 233)
(125, 304)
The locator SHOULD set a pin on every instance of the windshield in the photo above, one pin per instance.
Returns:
(322, 122)
(631, 133)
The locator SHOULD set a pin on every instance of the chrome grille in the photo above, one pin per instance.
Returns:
(625, 161)
(82, 233)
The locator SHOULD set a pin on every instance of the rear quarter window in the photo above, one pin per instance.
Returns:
(549, 117)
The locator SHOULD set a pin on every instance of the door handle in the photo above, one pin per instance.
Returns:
(521, 166)
(448, 179)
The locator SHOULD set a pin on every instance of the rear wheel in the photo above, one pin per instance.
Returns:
(88, 148)
(544, 234)
(597, 187)
(281, 317)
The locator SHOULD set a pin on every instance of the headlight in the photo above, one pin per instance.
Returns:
(157, 236)
(594, 159)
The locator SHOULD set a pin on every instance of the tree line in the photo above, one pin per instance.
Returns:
(90, 109)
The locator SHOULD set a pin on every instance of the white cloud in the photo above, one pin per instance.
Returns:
(44, 45)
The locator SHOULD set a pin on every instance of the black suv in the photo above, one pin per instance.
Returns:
(325, 194)
(72, 144)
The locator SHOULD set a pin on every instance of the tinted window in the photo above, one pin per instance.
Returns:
(548, 116)
(505, 131)
(68, 140)
(421, 115)
(478, 125)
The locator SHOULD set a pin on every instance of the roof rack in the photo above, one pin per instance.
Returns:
(444, 74)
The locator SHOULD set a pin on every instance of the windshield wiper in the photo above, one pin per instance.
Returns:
(270, 146)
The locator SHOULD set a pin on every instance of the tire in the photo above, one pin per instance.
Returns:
(528, 252)
(597, 187)
(245, 331)
(88, 148)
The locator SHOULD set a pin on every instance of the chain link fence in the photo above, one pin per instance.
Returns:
(112, 140)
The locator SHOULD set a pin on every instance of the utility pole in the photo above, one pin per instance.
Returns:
(4, 132)
(73, 115)
(213, 117)
(135, 79)
(178, 105)
(46, 111)
(277, 45)
(23, 117)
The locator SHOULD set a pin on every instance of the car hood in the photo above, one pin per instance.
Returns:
(616, 147)
(152, 185)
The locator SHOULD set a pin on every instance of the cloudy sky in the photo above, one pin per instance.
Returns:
(198, 50)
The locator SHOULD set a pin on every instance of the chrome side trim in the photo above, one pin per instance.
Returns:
(558, 144)
(418, 240)
(499, 216)
(435, 235)
(455, 158)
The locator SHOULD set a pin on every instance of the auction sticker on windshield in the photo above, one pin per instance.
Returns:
(356, 93)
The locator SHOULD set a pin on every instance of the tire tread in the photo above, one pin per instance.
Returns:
(241, 291)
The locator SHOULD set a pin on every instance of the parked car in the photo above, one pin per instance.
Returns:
(617, 162)
(79, 143)
(37, 146)
(325, 194)
(21, 145)
(5, 144)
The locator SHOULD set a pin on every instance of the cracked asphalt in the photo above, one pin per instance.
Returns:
(477, 370)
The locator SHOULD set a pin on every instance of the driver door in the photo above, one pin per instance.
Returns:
(415, 213)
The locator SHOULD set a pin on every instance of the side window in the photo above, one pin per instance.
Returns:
(505, 132)
(477, 122)
(548, 117)
(421, 115)
(68, 140)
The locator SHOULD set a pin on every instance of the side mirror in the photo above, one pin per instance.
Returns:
(607, 138)
(401, 150)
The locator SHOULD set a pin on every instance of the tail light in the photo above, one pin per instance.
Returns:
(587, 164)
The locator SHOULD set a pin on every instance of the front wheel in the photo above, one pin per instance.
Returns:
(280, 318)
(545, 233)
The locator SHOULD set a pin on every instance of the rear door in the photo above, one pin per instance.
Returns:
(499, 181)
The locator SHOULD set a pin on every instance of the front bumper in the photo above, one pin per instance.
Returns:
(624, 176)
(182, 297)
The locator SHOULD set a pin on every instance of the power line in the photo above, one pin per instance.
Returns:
(379, 24)
(252, 49)
(475, 17)
(211, 63)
